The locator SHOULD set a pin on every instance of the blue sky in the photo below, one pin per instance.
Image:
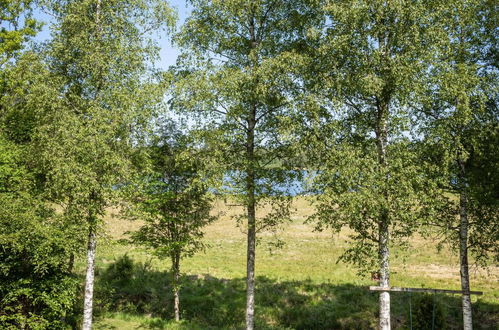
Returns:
(168, 53)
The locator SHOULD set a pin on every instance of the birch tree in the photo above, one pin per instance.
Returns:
(235, 80)
(460, 132)
(370, 67)
(174, 203)
(102, 52)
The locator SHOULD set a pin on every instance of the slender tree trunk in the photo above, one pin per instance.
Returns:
(463, 256)
(383, 224)
(176, 276)
(251, 213)
(89, 279)
(251, 202)
(71, 263)
(92, 238)
(384, 255)
(250, 270)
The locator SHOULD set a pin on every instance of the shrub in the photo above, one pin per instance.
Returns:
(37, 291)
(429, 313)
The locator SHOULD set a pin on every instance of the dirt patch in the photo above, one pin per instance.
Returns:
(450, 272)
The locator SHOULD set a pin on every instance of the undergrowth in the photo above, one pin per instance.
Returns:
(137, 290)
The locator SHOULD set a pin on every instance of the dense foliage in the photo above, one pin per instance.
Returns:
(174, 203)
(37, 290)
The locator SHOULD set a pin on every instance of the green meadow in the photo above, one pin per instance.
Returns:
(300, 285)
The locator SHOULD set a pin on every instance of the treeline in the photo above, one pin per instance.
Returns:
(391, 105)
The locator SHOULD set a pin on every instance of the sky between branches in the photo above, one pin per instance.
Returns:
(169, 52)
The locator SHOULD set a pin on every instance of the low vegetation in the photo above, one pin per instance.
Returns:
(294, 291)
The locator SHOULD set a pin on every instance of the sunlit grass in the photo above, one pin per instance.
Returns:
(307, 256)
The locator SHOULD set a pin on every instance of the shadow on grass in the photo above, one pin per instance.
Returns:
(214, 303)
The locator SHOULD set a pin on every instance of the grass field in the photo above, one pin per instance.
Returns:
(299, 286)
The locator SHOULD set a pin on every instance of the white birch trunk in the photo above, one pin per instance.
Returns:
(176, 303)
(384, 219)
(92, 240)
(251, 202)
(176, 295)
(250, 257)
(89, 280)
(463, 254)
(384, 297)
(250, 280)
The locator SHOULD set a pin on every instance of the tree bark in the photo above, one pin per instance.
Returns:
(251, 213)
(384, 298)
(92, 238)
(251, 200)
(463, 257)
(176, 276)
(463, 217)
(250, 271)
(89, 279)
(71, 263)
(383, 224)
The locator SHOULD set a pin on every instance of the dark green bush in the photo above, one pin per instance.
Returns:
(128, 286)
(429, 313)
(37, 290)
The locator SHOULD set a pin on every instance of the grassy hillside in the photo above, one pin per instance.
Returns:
(300, 286)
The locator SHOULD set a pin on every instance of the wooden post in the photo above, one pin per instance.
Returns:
(397, 289)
